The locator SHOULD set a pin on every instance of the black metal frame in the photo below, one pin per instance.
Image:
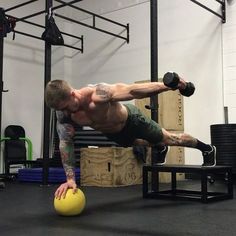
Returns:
(45, 11)
(47, 111)
(47, 64)
(1, 82)
(81, 38)
(203, 194)
(1, 79)
(126, 27)
(65, 45)
(47, 73)
(223, 13)
(154, 73)
(41, 26)
(20, 5)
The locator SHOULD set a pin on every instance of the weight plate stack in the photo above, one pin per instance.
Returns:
(223, 136)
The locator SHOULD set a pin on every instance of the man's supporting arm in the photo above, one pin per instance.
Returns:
(66, 133)
(68, 159)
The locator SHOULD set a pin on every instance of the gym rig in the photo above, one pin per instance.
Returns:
(49, 8)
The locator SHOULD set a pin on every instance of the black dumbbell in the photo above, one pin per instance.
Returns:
(189, 90)
(171, 80)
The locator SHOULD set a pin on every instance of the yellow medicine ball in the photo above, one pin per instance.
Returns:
(73, 204)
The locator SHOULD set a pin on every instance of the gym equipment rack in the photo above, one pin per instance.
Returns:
(47, 57)
(221, 2)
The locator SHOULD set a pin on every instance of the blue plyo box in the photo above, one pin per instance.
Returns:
(55, 175)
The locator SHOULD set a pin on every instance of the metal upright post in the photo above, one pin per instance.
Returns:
(47, 78)
(1, 83)
(154, 58)
(154, 73)
(1, 78)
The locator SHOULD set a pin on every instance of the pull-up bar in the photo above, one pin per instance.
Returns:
(93, 27)
(41, 26)
(37, 37)
(44, 11)
(70, 4)
(126, 27)
(91, 13)
(20, 5)
(222, 15)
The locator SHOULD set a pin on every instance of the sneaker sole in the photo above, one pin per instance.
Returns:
(214, 158)
(163, 163)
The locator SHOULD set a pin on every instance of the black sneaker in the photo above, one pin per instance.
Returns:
(209, 157)
(161, 156)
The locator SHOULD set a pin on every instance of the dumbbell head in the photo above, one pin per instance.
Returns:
(171, 80)
(189, 90)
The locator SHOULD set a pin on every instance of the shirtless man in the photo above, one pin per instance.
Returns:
(99, 107)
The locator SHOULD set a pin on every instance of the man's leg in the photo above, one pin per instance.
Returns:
(159, 150)
(186, 140)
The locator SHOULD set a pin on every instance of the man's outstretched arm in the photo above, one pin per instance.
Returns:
(124, 92)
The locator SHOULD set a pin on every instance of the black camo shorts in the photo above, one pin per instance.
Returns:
(137, 126)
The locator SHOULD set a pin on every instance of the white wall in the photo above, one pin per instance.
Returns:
(229, 61)
(111, 59)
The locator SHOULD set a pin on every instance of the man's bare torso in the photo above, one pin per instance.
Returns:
(109, 117)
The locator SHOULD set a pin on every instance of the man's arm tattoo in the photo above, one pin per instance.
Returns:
(103, 91)
(67, 158)
(66, 133)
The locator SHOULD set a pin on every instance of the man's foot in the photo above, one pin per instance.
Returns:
(161, 156)
(209, 157)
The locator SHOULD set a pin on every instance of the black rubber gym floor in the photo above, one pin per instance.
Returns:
(27, 209)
